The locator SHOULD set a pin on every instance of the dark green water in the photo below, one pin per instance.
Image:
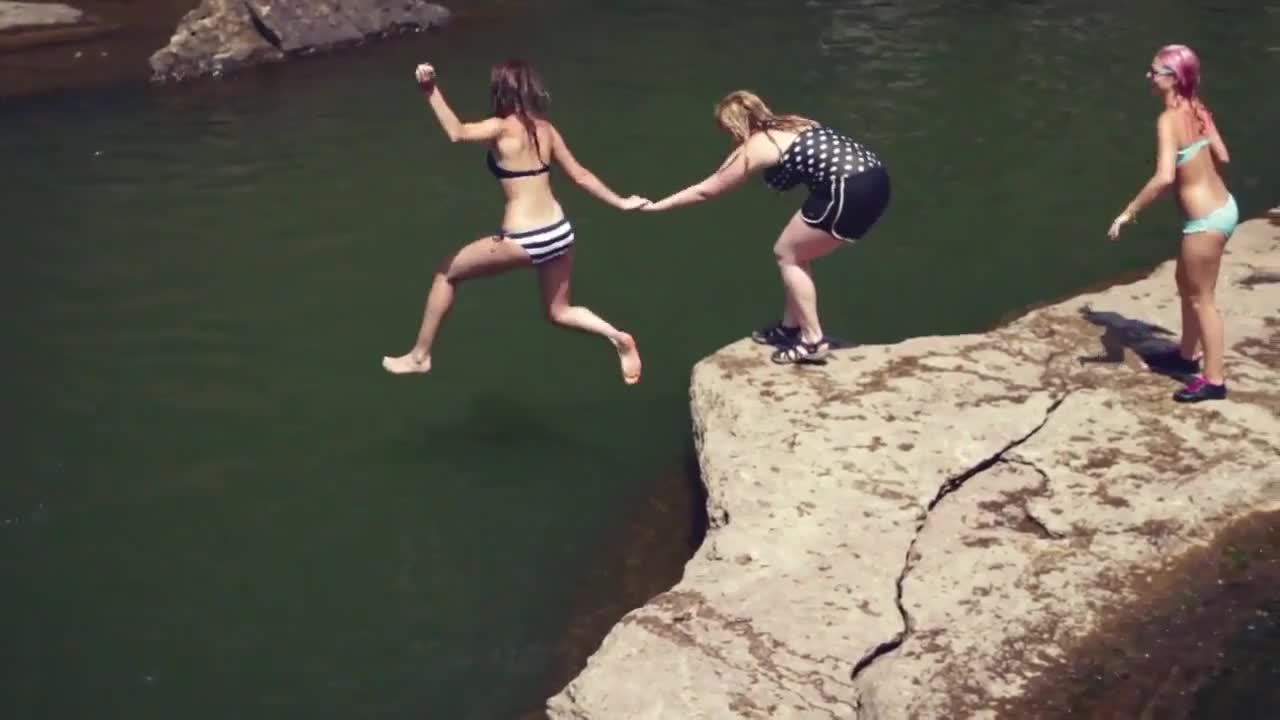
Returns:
(214, 502)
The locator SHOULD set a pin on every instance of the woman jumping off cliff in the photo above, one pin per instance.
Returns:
(848, 192)
(535, 232)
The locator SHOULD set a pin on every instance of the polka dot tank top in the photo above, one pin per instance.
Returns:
(817, 156)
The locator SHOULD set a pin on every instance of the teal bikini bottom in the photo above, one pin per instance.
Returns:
(1223, 220)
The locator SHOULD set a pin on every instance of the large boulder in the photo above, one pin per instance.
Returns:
(224, 35)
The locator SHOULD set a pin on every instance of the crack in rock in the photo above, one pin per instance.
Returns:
(957, 482)
(951, 485)
(262, 29)
(1041, 528)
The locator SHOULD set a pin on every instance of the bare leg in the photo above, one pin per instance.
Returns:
(555, 276)
(1202, 255)
(790, 313)
(795, 248)
(1190, 324)
(487, 256)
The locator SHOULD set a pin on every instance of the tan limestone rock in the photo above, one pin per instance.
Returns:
(917, 530)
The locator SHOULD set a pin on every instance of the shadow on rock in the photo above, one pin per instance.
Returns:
(1153, 343)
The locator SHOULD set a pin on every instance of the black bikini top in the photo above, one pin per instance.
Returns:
(503, 173)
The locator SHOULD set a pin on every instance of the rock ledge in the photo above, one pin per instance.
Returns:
(923, 529)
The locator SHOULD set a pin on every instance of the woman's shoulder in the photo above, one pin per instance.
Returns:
(1175, 117)
(544, 126)
(513, 122)
(778, 134)
(515, 131)
(801, 123)
(762, 139)
(767, 147)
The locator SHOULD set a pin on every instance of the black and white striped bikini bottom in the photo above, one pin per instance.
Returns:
(544, 243)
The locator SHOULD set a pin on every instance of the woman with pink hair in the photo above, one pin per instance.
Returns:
(1184, 128)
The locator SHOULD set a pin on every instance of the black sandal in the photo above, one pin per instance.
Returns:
(802, 352)
(778, 334)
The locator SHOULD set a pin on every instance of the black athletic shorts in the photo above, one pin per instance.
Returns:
(851, 206)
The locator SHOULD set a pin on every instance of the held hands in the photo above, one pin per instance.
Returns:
(634, 202)
(1114, 232)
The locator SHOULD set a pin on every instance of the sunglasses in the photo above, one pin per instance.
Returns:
(1162, 70)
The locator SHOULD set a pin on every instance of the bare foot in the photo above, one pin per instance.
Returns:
(630, 357)
(408, 363)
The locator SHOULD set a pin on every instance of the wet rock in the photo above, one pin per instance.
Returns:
(25, 25)
(224, 35)
(920, 529)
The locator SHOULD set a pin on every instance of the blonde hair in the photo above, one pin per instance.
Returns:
(742, 113)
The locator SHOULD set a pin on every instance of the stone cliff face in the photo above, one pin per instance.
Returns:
(224, 35)
(921, 529)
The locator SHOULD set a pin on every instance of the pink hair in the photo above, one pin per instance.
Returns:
(1185, 65)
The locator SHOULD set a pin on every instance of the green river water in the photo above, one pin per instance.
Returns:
(215, 503)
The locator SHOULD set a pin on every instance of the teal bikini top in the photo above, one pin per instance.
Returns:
(1189, 151)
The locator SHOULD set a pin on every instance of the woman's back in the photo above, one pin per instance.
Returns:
(817, 155)
(1200, 187)
(523, 169)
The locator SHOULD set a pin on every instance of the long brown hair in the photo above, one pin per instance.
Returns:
(742, 113)
(516, 89)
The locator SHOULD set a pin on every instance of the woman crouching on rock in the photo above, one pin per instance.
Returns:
(848, 192)
(535, 232)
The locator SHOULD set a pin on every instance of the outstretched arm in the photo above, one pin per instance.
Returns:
(587, 180)
(741, 163)
(458, 131)
(1166, 155)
